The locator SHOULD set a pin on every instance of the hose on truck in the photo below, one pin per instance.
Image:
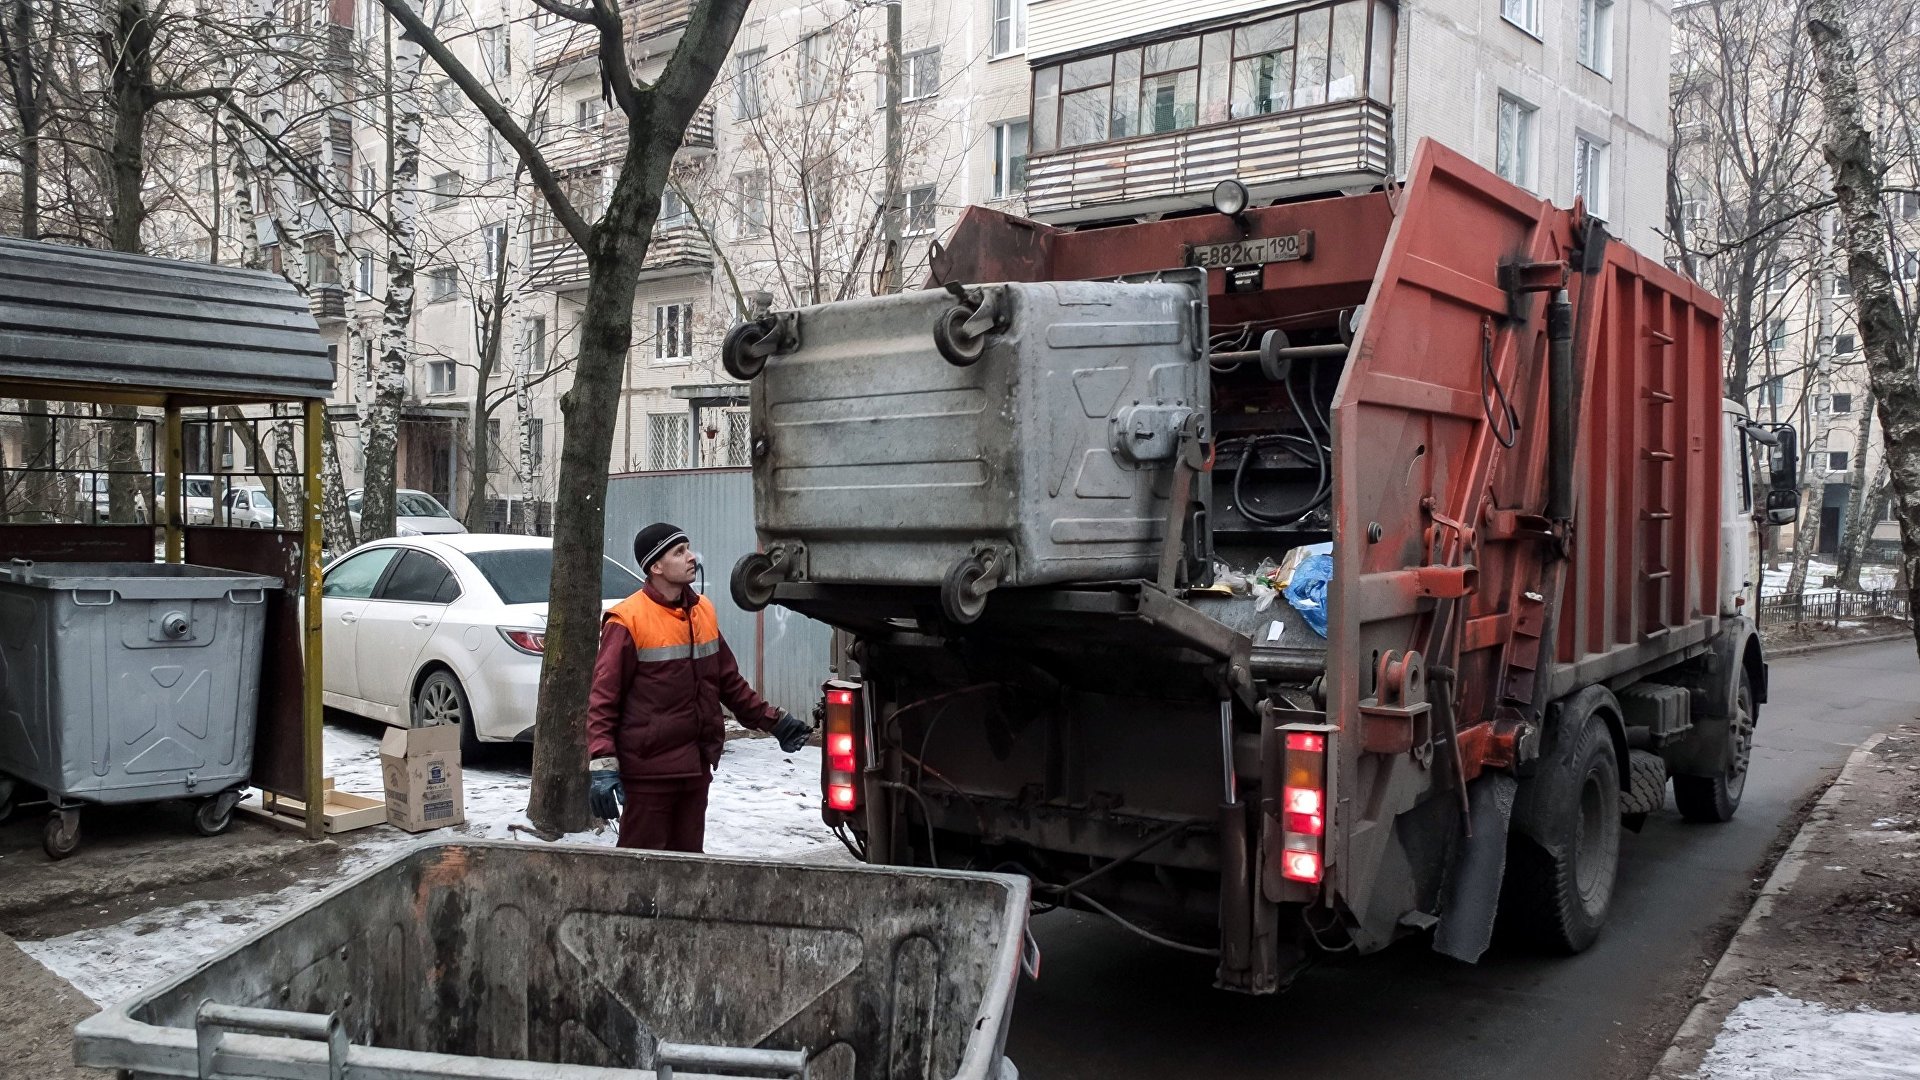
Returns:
(1322, 459)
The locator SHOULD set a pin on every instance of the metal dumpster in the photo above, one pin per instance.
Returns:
(1042, 451)
(128, 682)
(502, 959)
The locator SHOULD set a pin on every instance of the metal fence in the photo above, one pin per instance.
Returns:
(784, 655)
(1834, 604)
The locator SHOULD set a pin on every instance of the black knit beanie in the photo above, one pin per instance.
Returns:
(654, 541)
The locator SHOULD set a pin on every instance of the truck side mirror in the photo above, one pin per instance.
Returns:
(1784, 462)
(1783, 506)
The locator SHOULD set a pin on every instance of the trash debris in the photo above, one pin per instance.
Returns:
(1306, 590)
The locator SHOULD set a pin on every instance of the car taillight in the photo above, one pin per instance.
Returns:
(840, 765)
(1303, 808)
(531, 642)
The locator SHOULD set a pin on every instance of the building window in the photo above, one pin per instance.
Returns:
(494, 42)
(1773, 392)
(1590, 174)
(537, 436)
(1776, 334)
(1524, 14)
(813, 67)
(1596, 35)
(672, 333)
(817, 202)
(751, 190)
(1777, 275)
(1009, 158)
(1841, 404)
(917, 205)
(446, 189)
(1907, 204)
(1844, 344)
(442, 377)
(919, 76)
(537, 343)
(1842, 285)
(673, 208)
(749, 99)
(539, 124)
(1009, 26)
(441, 284)
(363, 275)
(494, 244)
(1513, 153)
(322, 268)
(1334, 53)
(668, 439)
(588, 112)
(369, 186)
(1837, 460)
(1906, 265)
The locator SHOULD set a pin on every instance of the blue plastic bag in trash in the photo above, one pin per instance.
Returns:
(1307, 591)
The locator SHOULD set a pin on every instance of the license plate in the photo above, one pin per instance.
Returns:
(1253, 252)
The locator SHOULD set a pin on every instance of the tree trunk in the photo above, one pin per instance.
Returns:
(336, 524)
(382, 426)
(493, 326)
(1812, 490)
(523, 406)
(1853, 550)
(1889, 352)
(131, 86)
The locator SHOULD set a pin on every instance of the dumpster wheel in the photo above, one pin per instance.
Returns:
(212, 816)
(62, 835)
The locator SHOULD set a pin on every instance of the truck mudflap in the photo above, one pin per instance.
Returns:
(1472, 896)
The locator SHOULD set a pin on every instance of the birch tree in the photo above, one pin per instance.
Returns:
(1848, 145)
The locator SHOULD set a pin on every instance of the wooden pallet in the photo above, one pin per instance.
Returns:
(342, 812)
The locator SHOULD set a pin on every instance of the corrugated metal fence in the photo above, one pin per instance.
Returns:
(783, 654)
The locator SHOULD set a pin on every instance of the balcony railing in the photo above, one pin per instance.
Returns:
(1346, 139)
(677, 247)
(328, 302)
(559, 42)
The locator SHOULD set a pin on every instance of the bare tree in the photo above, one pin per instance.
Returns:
(656, 118)
(1884, 332)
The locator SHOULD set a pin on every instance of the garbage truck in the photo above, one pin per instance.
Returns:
(1275, 580)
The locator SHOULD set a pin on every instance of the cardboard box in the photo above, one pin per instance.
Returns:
(421, 767)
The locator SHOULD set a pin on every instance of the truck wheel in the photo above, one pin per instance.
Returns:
(1715, 798)
(1559, 881)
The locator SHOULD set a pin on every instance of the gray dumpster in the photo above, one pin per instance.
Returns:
(500, 959)
(128, 682)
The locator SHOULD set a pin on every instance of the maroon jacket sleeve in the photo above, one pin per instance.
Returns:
(746, 706)
(612, 671)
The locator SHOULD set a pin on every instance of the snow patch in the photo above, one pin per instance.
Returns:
(1782, 1038)
(764, 803)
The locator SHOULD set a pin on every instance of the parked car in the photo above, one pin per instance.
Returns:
(416, 513)
(445, 629)
(251, 508)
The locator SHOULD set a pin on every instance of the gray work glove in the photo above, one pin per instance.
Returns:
(792, 731)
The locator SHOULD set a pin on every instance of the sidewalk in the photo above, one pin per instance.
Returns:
(37, 1012)
(1822, 980)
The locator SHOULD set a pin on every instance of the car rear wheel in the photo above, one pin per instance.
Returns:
(442, 700)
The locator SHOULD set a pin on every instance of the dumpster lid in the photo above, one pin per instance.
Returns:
(119, 575)
(85, 325)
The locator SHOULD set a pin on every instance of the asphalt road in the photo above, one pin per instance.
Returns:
(1109, 1005)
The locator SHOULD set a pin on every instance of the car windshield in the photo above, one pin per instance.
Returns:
(198, 489)
(415, 504)
(521, 575)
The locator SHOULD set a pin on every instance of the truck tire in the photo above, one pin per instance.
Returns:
(1715, 798)
(1559, 880)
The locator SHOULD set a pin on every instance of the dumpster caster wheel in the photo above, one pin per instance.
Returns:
(950, 336)
(62, 835)
(741, 351)
(963, 596)
(212, 816)
(755, 577)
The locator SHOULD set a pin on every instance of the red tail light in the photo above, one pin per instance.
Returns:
(840, 766)
(531, 642)
(1301, 866)
(1303, 810)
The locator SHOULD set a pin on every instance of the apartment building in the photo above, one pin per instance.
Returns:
(1141, 108)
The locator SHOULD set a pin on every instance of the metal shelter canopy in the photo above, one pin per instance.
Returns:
(103, 326)
(110, 328)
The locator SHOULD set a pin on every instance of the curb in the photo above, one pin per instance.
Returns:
(1823, 646)
(19, 904)
(1711, 1006)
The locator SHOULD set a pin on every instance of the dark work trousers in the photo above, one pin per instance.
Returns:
(665, 815)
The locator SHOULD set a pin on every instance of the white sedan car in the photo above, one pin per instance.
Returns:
(445, 630)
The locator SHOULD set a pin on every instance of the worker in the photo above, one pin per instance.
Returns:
(654, 727)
